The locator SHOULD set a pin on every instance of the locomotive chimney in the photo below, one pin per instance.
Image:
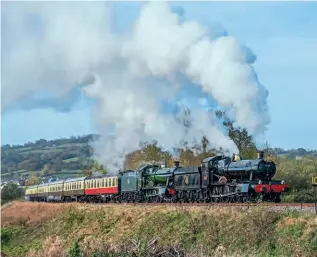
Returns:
(176, 163)
(260, 154)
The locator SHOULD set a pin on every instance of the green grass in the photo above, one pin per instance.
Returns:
(75, 159)
(195, 231)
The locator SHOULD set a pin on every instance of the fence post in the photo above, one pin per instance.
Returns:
(314, 184)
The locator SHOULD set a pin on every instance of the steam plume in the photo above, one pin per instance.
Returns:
(130, 76)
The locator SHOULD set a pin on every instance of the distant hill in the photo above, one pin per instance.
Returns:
(60, 158)
(68, 157)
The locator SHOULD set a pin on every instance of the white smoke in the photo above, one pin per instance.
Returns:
(133, 73)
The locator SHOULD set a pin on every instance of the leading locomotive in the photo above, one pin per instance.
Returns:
(217, 179)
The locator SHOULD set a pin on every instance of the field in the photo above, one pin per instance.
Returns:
(43, 229)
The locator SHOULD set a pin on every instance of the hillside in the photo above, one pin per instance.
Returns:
(58, 158)
(69, 157)
(109, 230)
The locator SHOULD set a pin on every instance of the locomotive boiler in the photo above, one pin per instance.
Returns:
(241, 170)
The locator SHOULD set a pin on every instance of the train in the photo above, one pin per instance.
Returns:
(216, 179)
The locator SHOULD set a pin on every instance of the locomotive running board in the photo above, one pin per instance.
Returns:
(230, 194)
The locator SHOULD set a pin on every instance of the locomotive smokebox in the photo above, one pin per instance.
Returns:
(176, 163)
(260, 154)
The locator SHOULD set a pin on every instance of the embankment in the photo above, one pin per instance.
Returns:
(44, 229)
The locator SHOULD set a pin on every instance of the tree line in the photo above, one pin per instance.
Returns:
(50, 157)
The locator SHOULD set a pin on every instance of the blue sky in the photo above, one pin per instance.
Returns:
(282, 35)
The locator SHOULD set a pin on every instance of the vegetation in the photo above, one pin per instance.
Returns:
(90, 230)
(33, 163)
(10, 192)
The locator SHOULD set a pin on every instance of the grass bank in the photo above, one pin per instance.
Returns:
(38, 229)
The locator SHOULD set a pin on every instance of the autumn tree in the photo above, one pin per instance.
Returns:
(239, 136)
(33, 180)
(94, 166)
(149, 153)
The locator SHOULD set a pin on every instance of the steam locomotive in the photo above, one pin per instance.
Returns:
(217, 179)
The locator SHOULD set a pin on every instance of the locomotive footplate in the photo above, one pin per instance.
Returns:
(224, 195)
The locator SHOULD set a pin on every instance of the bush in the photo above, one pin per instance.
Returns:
(11, 192)
(75, 250)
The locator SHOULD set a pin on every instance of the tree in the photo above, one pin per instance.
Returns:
(33, 180)
(204, 143)
(239, 136)
(11, 192)
(94, 166)
(46, 170)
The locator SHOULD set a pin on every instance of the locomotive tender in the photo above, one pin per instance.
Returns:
(217, 179)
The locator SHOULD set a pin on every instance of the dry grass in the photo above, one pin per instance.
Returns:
(26, 213)
(144, 230)
(52, 247)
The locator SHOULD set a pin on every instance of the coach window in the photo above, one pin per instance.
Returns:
(116, 181)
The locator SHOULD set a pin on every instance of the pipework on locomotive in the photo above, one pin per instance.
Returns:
(217, 179)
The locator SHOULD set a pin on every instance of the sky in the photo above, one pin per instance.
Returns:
(282, 35)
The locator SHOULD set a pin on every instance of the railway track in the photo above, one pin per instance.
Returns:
(298, 205)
